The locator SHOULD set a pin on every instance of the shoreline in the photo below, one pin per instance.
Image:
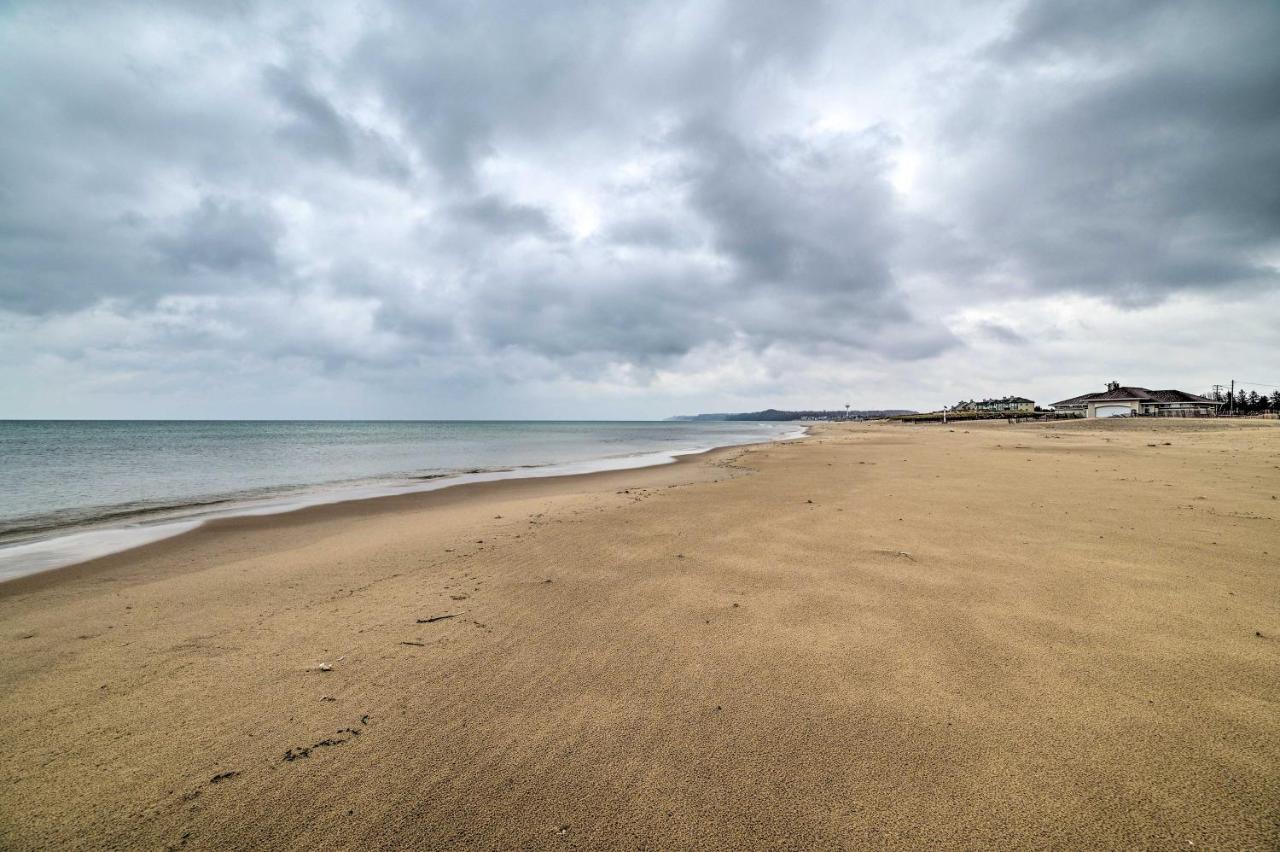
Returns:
(876, 637)
(434, 493)
(87, 543)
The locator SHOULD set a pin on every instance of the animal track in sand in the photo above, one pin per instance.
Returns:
(297, 753)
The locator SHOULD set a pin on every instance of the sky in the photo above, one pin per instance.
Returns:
(630, 209)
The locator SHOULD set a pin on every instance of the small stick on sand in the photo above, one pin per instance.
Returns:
(435, 618)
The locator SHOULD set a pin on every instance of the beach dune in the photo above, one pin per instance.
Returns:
(1054, 635)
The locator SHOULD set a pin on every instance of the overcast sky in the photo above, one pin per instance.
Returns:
(630, 209)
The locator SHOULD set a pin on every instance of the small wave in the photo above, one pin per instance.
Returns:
(33, 526)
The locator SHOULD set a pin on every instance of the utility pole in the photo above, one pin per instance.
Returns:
(1231, 409)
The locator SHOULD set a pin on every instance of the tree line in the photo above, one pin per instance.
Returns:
(1246, 403)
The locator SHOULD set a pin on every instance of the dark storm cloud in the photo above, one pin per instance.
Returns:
(471, 79)
(1104, 156)
(807, 215)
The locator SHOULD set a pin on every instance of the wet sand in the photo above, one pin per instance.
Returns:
(882, 636)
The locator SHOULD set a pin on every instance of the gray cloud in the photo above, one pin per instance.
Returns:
(653, 232)
(314, 125)
(316, 128)
(223, 235)
(1092, 29)
(1000, 332)
(812, 215)
(503, 218)
(654, 194)
(1103, 156)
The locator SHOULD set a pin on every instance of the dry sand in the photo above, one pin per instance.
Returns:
(882, 636)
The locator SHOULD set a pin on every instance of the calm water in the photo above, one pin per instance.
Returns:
(66, 477)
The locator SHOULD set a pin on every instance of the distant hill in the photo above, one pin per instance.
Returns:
(775, 414)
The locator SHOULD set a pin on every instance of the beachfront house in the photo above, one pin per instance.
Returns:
(1008, 403)
(1122, 401)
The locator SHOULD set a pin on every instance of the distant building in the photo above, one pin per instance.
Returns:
(1121, 401)
(1008, 403)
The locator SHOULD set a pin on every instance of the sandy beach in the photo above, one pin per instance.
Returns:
(882, 636)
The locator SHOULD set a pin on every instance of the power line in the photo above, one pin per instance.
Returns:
(1259, 384)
